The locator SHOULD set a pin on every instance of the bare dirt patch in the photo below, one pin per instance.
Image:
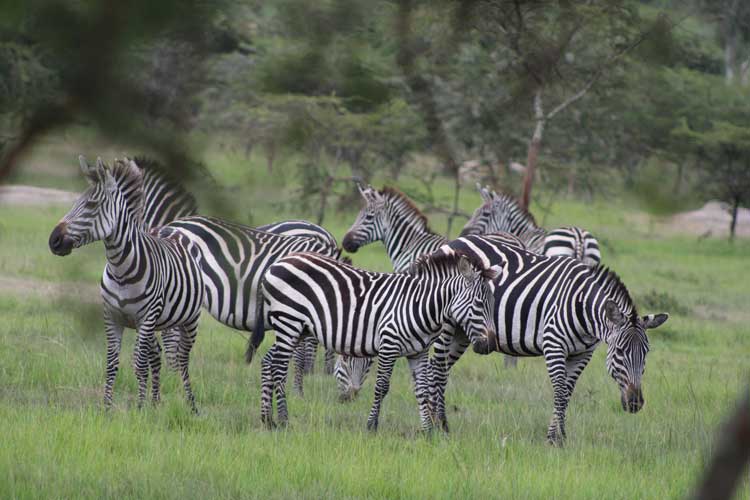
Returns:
(20, 195)
(711, 220)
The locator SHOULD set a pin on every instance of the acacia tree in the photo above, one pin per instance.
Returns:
(556, 51)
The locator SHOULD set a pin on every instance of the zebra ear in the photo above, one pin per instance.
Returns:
(466, 269)
(484, 192)
(613, 313)
(654, 320)
(88, 172)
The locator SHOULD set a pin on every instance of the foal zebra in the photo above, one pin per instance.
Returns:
(361, 313)
(560, 309)
(149, 283)
(502, 213)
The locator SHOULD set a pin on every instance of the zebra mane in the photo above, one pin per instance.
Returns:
(509, 201)
(164, 197)
(440, 261)
(615, 289)
(394, 194)
(129, 182)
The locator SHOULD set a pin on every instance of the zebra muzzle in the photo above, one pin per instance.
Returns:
(632, 399)
(349, 244)
(59, 242)
(486, 344)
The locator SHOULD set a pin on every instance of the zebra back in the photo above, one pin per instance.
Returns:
(300, 228)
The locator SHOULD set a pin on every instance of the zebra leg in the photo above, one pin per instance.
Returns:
(510, 361)
(114, 343)
(279, 368)
(155, 363)
(301, 362)
(386, 360)
(311, 349)
(448, 350)
(556, 357)
(142, 357)
(171, 340)
(330, 363)
(420, 370)
(574, 365)
(186, 342)
(266, 389)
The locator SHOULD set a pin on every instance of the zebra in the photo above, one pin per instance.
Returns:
(561, 309)
(235, 258)
(390, 216)
(149, 283)
(501, 212)
(350, 373)
(166, 200)
(361, 313)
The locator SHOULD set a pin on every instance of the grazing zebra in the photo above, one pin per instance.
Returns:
(350, 373)
(560, 309)
(235, 258)
(502, 213)
(149, 283)
(361, 313)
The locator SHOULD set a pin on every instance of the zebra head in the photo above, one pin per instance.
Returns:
(94, 215)
(490, 217)
(627, 346)
(370, 223)
(473, 307)
(350, 375)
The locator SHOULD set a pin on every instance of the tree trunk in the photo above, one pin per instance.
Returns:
(456, 193)
(678, 180)
(533, 152)
(733, 224)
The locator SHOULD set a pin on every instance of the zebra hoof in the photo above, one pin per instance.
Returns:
(555, 441)
(372, 426)
(268, 423)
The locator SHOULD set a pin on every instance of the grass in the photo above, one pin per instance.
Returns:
(57, 442)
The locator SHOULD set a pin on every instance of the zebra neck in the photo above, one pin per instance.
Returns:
(533, 238)
(589, 313)
(402, 232)
(122, 245)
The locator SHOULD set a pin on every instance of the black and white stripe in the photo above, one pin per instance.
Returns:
(166, 200)
(235, 258)
(502, 213)
(560, 309)
(364, 314)
(150, 283)
(389, 216)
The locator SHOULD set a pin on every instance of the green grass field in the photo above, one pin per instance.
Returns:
(57, 442)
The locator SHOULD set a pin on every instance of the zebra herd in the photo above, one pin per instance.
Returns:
(504, 285)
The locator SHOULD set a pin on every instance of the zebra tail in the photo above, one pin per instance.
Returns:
(259, 330)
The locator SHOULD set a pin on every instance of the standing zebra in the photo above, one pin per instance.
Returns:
(149, 283)
(166, 200)
(235, 258)
(502, 213)
(391, 217)
(361, 313)
(560, 309)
